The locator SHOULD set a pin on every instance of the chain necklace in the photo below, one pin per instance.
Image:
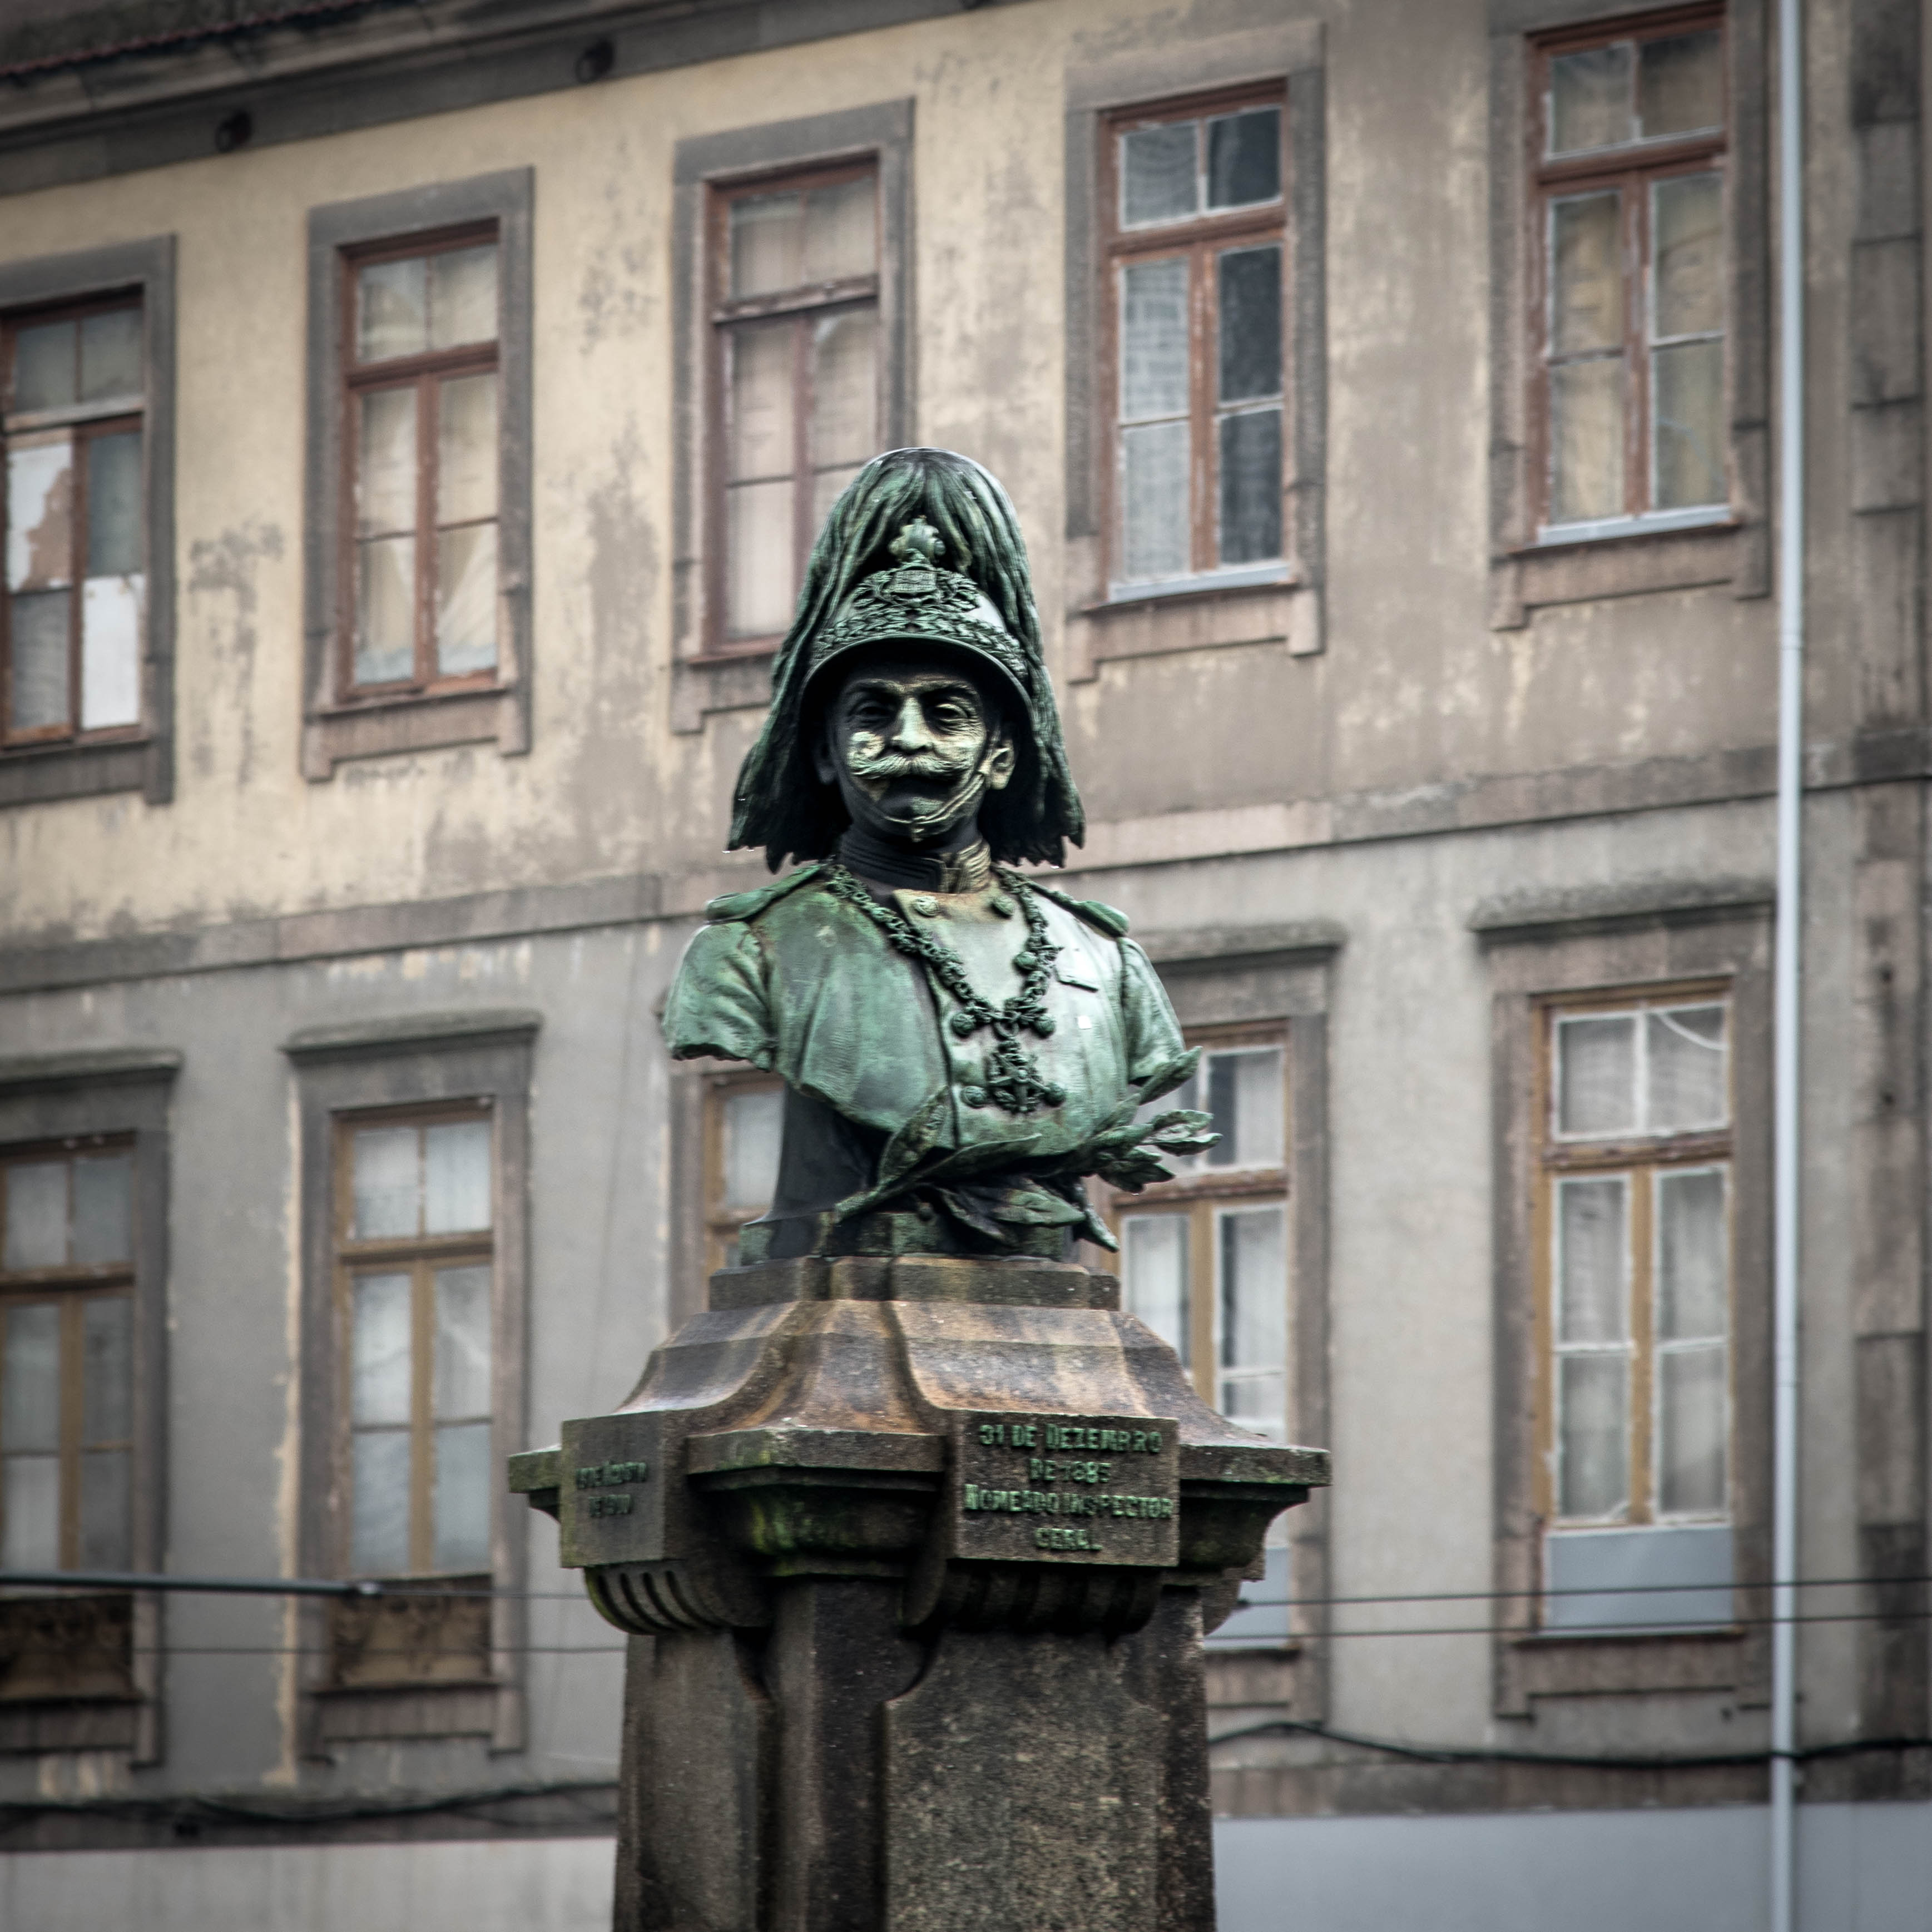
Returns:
(1011, 1080)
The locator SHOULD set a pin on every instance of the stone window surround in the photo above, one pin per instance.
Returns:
(30, 773)
(422, 1060)
(1278, 976)
(1526, 576)
(334, 728)
(702, 682)
(1289, 611)
(1613, 942)
(55, 1097)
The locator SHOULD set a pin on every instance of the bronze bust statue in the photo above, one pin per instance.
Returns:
(962, 1045)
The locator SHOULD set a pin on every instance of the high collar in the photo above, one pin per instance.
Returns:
(894, 867)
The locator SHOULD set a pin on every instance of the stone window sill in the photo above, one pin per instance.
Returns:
(1198, 615)
(1539, 1663)
(34, 774)
(1626, 561)
(382, 728)
(450, 1710)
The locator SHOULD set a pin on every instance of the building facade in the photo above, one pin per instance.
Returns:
(416, 415)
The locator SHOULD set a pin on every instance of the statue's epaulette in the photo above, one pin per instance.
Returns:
(1111, 921)
(734, 908)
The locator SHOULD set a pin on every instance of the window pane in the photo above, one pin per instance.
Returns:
(104, 1536)
(1687, 233)
(767, 243)
(465, 450)
(1250, 487)
(104, 1209)
(1687, 1069)
(114, 545)
(379, 1537)
(39, 512)
(1594, 1448)
(841, 231)
(107, 1368)
(1692, 1431)
(1153, 1275)
(1158, 173)
(1587, 440)
(758, 590)
(461, 1374)
(466, 600)
(1244, 157)
(1680, 84)
(1154, 541)
(1590, 99)
(456, 1177)
(30, 1512)
(384, 1183)
(380, 1378)
(30, 1378)
(110, 651)
(110, 355)
(1154, 340)
(1593, 1261)
(1244, 1101)
(392, 310)
(462, 296)
(1688, 386)
(763, 425)
(462, 1489)
(1254, 1288)
(43, 366)
(385, 494)
(385, 614)
(1586, 309)
(37, 685)
(36, 1215)
(1596, 1075)
(844, 389)
(754, 1127)
(1250, 301)
(1693, 1257)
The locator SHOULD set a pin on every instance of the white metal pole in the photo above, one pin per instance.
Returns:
(1787, 962)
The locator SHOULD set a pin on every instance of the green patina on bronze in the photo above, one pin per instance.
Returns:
(980, 1093)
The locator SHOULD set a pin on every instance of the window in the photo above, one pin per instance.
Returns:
(1204, 1257)
(743, 1129)
(796, 327)
(421, 444)
(1195, 258)
(1634, 1205)
(1627, 207)
(74, 616)
(67, 1354)
(415, 1258)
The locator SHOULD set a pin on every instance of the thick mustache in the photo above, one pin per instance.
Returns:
(905, 764)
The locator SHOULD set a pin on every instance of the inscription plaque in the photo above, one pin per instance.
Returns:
(610, 1501)
(1042, 1487)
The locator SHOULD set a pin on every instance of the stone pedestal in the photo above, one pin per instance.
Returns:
(915, 1554)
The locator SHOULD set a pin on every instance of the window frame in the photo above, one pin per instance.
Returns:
(138, 757)
(424, 374)
(724, 316)
(1638, 1158)
(1199, 240)
(340, 720)
(1631, 169)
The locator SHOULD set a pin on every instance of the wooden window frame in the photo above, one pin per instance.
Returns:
(1197, 239)
(1199, 1197)
(85, 422)
(72, 1287)
(1640, 1157)
(424, 374)
(721, 1220)
(1630, 168)
(724, 315)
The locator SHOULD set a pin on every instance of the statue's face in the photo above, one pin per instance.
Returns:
(913, 745)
